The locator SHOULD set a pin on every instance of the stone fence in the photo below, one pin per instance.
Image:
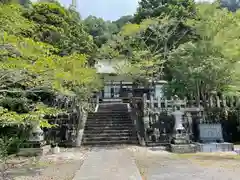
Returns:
(154, 121)
(68, 127)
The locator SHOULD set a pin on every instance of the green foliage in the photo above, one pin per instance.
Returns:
(157, 8)
(44, 51)
(195, 47)
(4, 144)
(59, 27)
(13, 22)
(208, 64)
(12, 118)
(158, 29)
(8, 145)
(100, 30)
(146, 46)
(41, 68)
(123, 21)
(19, 105)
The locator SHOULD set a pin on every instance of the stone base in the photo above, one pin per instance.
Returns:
(34, 151)
(181, 139)
(215, 147)
(183, 148)
(33, 144)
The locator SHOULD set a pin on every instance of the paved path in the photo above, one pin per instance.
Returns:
(108, 164)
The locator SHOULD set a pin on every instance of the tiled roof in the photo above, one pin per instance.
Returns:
(108, 66)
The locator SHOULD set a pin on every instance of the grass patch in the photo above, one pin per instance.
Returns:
(208, 156)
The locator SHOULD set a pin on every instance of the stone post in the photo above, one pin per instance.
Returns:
(145, 114)
(151, 102)
(159, 103)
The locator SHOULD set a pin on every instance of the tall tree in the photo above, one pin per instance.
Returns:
(208, 64)
(29, 68)
(156, 8)
(123, 20)
(100, 30)
(146, 46)
(59, 27)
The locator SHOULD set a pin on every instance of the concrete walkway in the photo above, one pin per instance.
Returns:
(108, 164)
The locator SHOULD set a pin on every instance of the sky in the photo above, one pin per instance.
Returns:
(106, 9)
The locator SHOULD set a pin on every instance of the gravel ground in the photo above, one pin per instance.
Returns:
(161, 165)
(153, 165)
(61, 166)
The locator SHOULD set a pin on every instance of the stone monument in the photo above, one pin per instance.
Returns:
(210, 132)
(211, 138)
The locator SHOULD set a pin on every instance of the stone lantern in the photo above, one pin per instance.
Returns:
(178, 116)
(180, 135)
(36, 135)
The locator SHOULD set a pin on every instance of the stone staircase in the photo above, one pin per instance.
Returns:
(110, 125)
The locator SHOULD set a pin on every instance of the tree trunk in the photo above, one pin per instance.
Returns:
(198, 93)
(80, 125)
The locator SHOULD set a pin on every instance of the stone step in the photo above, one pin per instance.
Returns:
(109, 125)
(109, 128)
(112, 124)
(113, 142)
(109, 122)
(113, 106)
(103, 111)
(107, 115)
(110, 113)
(90, 135)
(109, 119)
(104, 128)
(108, 131)
(109, 137)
